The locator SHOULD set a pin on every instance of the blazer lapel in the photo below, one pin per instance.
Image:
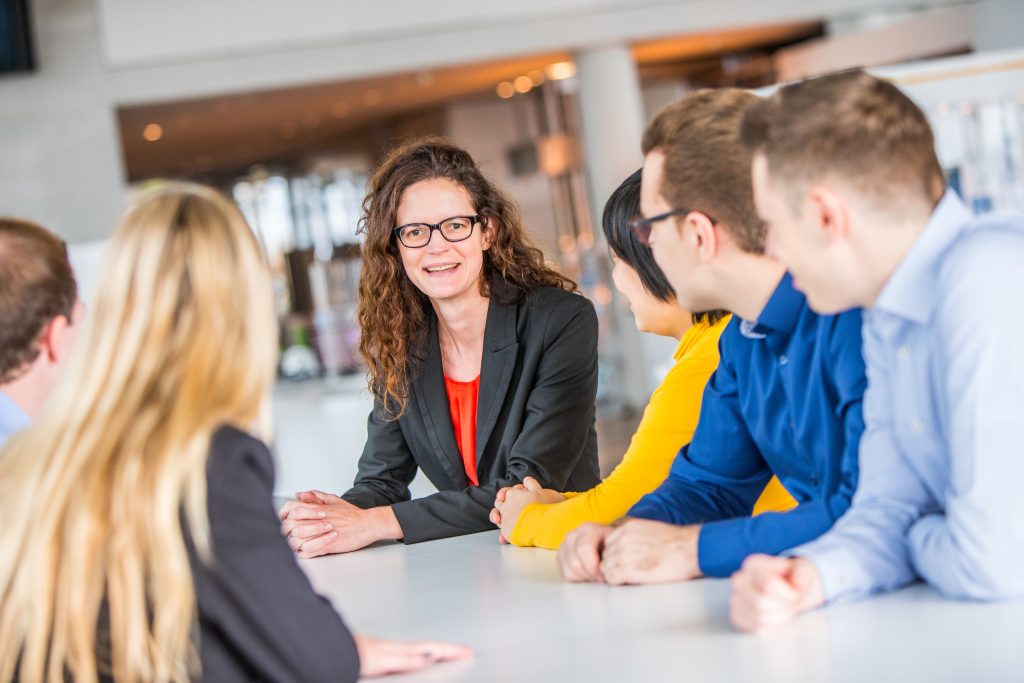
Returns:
(432, 397)
(501, 348)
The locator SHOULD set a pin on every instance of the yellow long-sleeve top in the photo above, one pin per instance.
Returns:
(668, 424)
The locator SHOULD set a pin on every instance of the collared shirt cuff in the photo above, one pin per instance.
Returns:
(718, 553)
(838, 570)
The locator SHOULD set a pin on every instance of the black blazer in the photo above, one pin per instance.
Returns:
(259, 618)
(535, 416)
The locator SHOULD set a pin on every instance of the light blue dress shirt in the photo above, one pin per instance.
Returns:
(941, 491)
(12, 418)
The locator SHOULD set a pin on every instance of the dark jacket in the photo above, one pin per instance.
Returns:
(535, 416)
(259, 618)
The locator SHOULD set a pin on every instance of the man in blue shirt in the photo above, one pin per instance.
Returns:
(39, 311)
(786, 398)
(845, 171)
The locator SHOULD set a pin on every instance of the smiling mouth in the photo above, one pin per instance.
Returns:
(441, 268)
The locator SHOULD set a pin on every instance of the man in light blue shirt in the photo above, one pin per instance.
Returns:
(846, 175)
(39, 312)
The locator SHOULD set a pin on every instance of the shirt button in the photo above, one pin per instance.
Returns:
(905, 351)
(814, 482)
(917, 426)
(783, 360)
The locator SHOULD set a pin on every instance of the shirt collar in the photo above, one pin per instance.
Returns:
(12, 417)
(910, 291)
(780, 313)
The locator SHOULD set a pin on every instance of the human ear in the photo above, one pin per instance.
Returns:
(703, 233)
(828, 213)
(487, 227)
(54, 339)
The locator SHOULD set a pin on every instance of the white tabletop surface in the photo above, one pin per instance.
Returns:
(527, 625)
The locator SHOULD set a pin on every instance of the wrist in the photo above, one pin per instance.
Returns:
(384, 524)
(686, 546)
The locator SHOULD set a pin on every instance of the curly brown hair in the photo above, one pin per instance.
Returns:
(393, 312)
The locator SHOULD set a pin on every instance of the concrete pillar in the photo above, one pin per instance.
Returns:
(612, 121)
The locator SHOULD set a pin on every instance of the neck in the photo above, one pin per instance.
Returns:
(879, 258)
(681, 326)
(747, 282)
(28, 391)
(461, 322)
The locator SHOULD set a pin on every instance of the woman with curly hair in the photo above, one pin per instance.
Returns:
(482, 361)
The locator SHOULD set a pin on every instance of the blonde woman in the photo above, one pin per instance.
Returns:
(139, 539)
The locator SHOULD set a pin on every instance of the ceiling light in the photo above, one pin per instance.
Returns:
(506, 90)
(153, 132)
(561, 70)
(523, 84)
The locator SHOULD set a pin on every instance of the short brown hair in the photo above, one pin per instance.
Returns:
(706, 167)
(850, 125)
(36, 286)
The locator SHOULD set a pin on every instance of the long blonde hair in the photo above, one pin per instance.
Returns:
(180, 340)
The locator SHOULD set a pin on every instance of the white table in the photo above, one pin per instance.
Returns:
(528, 626)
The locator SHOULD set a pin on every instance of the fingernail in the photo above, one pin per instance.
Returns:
(328, 526)
(321, 514)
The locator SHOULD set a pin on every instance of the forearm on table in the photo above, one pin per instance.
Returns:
(445, 514)
(723, 545)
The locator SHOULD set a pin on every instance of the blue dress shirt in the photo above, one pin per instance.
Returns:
(942, 460)
(785, 400)
(12, 418)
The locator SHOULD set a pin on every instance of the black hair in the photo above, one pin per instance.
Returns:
(623, 206)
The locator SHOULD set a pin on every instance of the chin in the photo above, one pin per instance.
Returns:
(826, 305)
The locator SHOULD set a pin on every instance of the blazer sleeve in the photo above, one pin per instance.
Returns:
(386, 466)
(253, 596)
(558, 417)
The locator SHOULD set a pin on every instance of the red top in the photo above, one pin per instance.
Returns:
(462, 403)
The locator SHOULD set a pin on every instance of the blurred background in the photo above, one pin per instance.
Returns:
(286, 106)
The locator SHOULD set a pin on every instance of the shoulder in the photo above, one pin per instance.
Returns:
(552, 309)
(546, 299)
(705, 337)
(989, 249)
(233, 451)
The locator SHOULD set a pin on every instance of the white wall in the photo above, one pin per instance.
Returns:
(60, 160)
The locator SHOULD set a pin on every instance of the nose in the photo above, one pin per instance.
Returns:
(436, 243)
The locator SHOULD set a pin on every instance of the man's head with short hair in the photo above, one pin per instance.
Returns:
(695, 165)
(835, 153)
(38, 299)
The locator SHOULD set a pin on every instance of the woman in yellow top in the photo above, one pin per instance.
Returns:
(532, 516)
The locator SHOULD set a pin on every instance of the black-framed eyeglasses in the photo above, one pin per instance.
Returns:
(641, 226)
(454, 229)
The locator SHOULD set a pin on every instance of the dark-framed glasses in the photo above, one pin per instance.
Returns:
(454, 229)
(641, 226)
